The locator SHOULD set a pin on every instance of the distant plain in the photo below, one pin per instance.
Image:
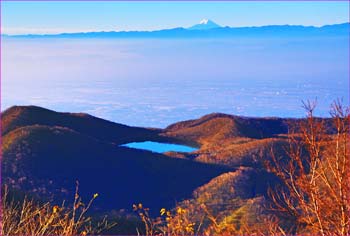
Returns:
(156, 82)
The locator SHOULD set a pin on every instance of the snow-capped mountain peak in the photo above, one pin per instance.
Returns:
(205, 24)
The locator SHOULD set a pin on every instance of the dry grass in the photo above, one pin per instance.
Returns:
(28, 217)
(176, 222)
(311, 197)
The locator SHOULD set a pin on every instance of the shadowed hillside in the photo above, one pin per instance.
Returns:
(19, 116)
(44, 152)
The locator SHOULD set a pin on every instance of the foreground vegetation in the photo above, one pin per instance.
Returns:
(28, 217)
(310, 197)
(314, 190)
(308, 193)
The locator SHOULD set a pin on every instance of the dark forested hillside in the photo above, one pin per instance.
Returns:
(45, 152)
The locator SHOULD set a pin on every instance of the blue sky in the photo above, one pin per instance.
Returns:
(56, 17)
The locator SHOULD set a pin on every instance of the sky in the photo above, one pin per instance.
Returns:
(56, 17)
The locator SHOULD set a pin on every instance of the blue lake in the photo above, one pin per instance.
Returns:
(160, 147)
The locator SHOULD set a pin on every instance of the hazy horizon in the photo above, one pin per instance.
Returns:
(142, 30)
(155, 82)
(158, 82)
(56, 17)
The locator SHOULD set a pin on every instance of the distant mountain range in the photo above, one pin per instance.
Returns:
(209, 29)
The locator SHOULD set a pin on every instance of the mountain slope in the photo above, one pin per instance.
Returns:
(204, 24)
(44, 152)
(231, 195)
(47, 160)
(243, 152)
(20, 116)
(217, 128)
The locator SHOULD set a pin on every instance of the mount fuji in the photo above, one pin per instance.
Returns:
(209, 29)
(204, 24)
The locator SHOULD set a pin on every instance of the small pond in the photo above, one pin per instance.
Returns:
(160, 147)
